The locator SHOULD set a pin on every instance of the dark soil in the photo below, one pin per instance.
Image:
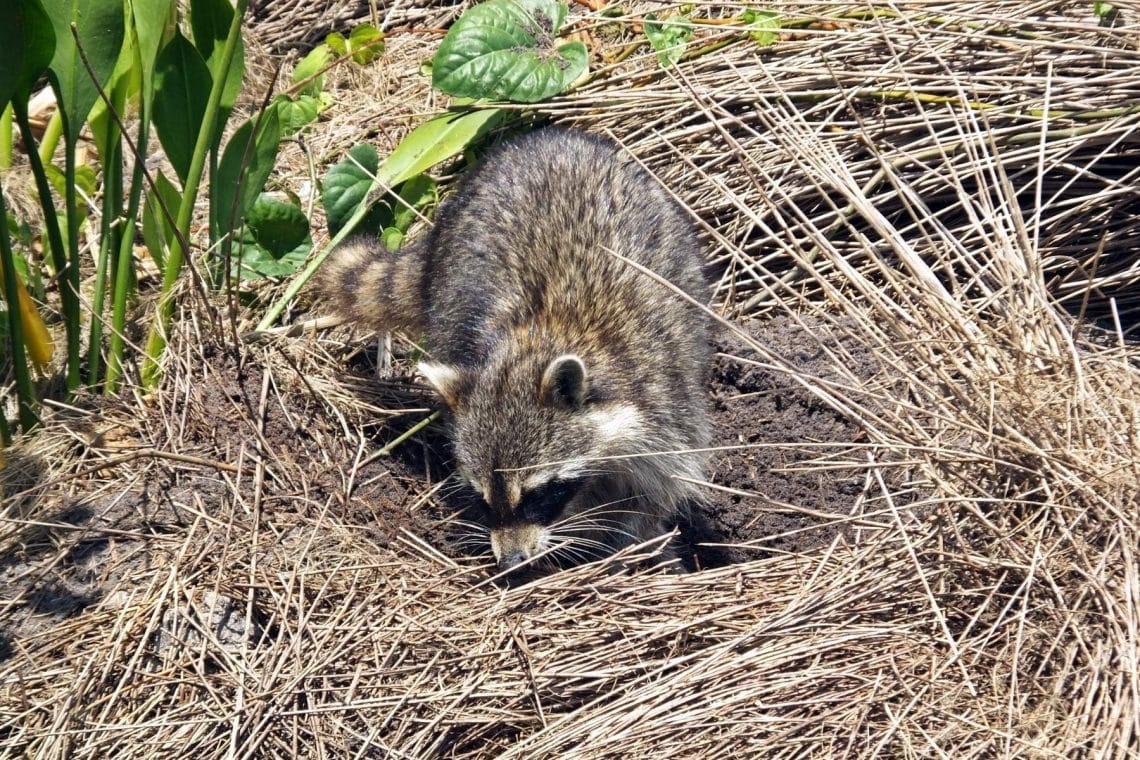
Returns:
(106, 533)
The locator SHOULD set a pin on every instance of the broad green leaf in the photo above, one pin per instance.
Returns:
(508, 50)
(347, 183)
(154, 20)
(236, 194)
(100, 26)
(668, 38)
(182, 87)
(157, 230)
(124, 82)
(27, 42)
(277, 226)
(209, 25)
(297, 113)
(86, 181)
(310, 67)
(436, 140)
(252, 262)
(763, 26)
(366, 43)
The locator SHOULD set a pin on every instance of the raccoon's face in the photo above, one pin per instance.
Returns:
(527, 438)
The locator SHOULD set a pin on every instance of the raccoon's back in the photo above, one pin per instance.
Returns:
(528, 242)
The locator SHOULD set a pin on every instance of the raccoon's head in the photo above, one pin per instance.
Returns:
(527, 437)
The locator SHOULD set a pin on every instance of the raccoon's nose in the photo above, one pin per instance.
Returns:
(511, 560)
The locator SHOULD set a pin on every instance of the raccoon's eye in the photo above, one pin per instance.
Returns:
(545, 503)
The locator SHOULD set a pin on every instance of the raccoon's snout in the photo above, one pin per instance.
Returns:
(516, 545)
(512, 560)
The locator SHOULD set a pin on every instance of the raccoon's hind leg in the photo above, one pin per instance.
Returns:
(365, 283)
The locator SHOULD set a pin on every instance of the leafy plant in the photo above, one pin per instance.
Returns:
(668, 38)
(101, 56)
(763, 26)
(364, 44)
(508, 50)
(436, 140)
(275, 240)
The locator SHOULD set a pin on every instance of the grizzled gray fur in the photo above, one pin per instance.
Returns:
(575, 382)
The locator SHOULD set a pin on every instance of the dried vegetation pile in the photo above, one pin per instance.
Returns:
(952, 187)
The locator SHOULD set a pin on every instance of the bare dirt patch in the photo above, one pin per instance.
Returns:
(279, 460)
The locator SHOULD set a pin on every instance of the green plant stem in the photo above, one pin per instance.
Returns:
(52, 132)
(124, 266)
(68, 296)
(6, 138)
(156, 341)
(111, 231)
(69, 279)
(387, 450)
(25, 395)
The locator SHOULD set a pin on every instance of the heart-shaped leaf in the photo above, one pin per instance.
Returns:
(346, 185)
(277, 226)
(310, 68)
(508, 50)
(299, 112)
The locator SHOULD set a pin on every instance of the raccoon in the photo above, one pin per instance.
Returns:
(574, 382)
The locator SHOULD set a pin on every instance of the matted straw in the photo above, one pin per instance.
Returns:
(850, 175)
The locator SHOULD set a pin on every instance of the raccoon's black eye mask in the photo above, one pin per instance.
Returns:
(543, 504)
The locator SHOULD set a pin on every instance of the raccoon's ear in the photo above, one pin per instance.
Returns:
(447, 380)
(564, 383)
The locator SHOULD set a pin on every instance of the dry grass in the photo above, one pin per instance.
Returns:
(996, 617)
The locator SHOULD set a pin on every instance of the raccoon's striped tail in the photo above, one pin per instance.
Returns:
(365, 283)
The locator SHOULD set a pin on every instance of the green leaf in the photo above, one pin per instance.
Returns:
(392, 238)
(310, 67)
(337, 43)
(254, 262)
(297, 113)
(346, 185)
(1100, 9)
(416, 194)
(157, 231)
(182, 87)
(100, 26)
(436, 140)
(366, 43)
(235, 193)
(763, 26)
(86, 181)
(210, 25)
(507, 50)
(277, 226)
(153, 20)
(27, 42)
(668, 38)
